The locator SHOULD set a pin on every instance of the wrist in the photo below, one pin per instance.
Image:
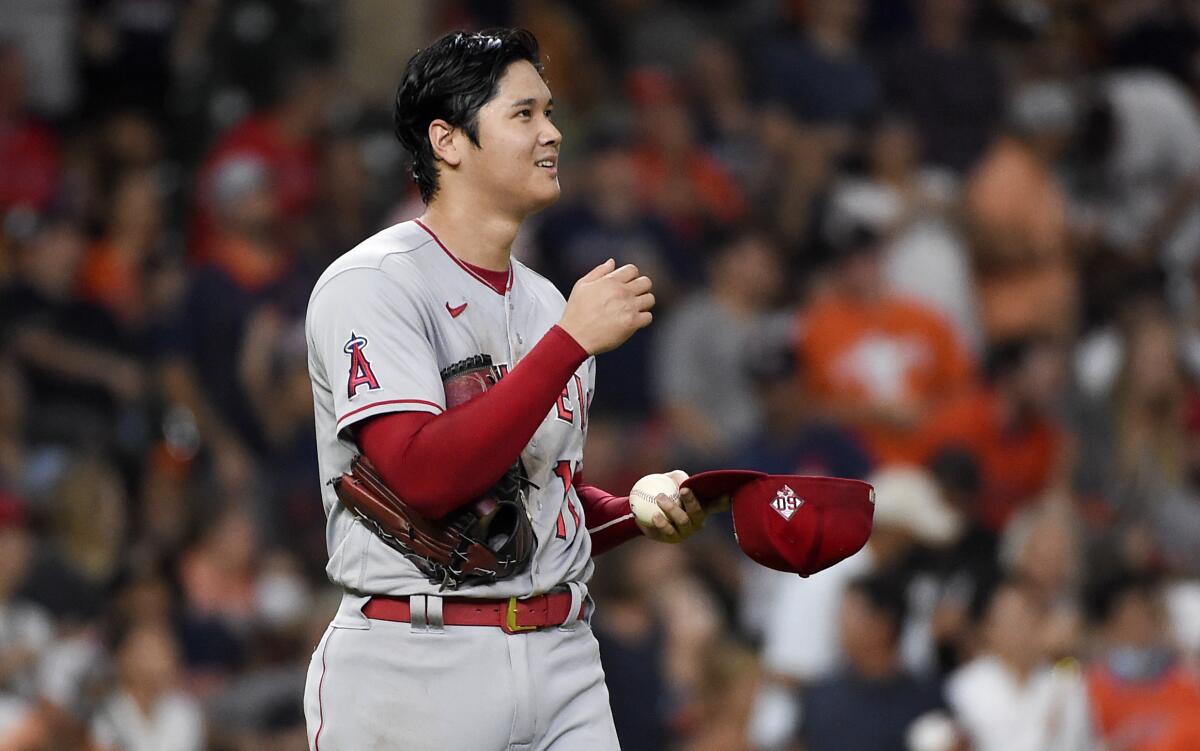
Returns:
(570, 341)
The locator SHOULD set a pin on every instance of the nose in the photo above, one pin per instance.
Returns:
(551, 135)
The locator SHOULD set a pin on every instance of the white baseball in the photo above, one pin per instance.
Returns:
(642, 498)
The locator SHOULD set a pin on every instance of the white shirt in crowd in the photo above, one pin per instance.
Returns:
(175, 723)
(1048, 712)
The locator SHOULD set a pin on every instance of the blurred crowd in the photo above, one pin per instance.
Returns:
(948, 246)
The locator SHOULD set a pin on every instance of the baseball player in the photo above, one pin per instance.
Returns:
(428, 652)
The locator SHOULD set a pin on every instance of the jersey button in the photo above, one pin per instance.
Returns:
(520, 340)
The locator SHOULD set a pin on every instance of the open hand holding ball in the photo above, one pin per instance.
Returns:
(664, 512)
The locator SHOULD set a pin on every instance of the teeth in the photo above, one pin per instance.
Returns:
(545, 163)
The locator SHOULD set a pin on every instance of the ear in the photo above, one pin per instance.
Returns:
(445, 145)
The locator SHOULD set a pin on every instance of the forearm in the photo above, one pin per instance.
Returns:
(436, 463)
(607, 517)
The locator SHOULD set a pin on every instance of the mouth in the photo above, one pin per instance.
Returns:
(550, 165)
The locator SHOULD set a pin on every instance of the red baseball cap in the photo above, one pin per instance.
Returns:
(793, 523)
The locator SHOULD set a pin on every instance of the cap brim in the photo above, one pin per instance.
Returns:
(712, 485)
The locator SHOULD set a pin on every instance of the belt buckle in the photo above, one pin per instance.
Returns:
(510, 625)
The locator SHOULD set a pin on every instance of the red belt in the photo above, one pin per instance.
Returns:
(512, 615)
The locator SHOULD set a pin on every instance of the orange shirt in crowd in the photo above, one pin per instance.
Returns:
(1162, 715)
(698, 184)
(112, 279)
(1026, 279)
(893, 352)
(1015, 466)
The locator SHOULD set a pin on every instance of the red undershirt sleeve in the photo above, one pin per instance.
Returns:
(608, 518)
(437, 463)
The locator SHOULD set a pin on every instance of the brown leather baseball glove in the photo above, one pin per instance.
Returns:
(488, 539)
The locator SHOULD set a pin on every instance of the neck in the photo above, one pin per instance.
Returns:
(483, 240)
(1021, 670)
(1010, 411)
(734, 301)
(833, 39)
(144, 698)
(944, 35)
(876, 667)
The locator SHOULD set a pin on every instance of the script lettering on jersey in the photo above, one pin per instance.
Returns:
(565, 410)
(360, 367)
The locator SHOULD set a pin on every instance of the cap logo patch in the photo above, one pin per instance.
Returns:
(786, 502)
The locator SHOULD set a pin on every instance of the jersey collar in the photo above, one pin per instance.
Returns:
(497, 281)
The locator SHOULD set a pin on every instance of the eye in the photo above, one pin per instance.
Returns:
(525, 113)
(549, 114)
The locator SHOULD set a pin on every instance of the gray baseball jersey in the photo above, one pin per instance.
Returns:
(383, 321)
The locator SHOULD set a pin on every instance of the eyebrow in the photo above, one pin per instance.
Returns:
(530, 101)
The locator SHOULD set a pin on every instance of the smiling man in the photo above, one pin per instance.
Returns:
(452, 382)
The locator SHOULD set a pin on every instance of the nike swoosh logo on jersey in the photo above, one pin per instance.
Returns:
(455, 312)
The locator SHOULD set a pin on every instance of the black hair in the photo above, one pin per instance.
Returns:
(957, 469)
(1105, 593)
(451, 80)
(886, 596)
(1008, 356)
(988, 590)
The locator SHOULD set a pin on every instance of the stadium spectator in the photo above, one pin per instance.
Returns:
(29, 151)
(819, 75)
(676, 177)
(1009, 427)
(947, 83)
(249, 269)
(631, 636)
(874, 361)
(1017, 213)
(79, 369)
(1144, 698)
(285, 140)
(1010, 698)
(700, 365)
(913, 207)
(873, 683)
(147, 711)
(73, 574)
(115, 273)
(25, 628)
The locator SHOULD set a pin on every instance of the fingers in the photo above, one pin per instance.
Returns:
(691, 504)
(642, 320)
(599, 271)
(626, 273)
(640, 286)
(666, 531)
(674, 511)
(643, 302)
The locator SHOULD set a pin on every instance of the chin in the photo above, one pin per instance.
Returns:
(543, 199)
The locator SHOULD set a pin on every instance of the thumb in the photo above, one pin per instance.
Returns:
(599, 271)
(678, 475)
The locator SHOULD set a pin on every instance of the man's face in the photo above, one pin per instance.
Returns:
(1040, 378)
(1011, 618)
(517, 158)
(865, 633)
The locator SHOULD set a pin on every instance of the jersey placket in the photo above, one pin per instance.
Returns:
(515, 341)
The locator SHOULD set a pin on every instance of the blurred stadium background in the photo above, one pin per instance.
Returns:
(951, 246)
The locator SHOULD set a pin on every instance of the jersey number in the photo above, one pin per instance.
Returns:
(565, 473)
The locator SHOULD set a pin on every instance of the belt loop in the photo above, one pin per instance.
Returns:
(572, 620)
(416, 614)
(433, 614)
